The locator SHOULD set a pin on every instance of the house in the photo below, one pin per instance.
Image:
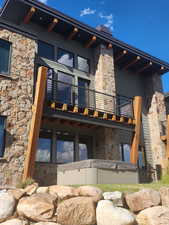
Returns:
(76, 104)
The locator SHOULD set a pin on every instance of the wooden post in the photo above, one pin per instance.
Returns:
(167, 137)
(136, 139)
(35, 122)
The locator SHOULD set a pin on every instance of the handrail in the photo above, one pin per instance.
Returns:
(66, 93)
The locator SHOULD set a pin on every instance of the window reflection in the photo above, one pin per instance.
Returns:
(4, 56)
(44, 150)
(65, 57)
(45, 50)
(65, 151)
(83, 64)
(83, 93)
(125, 152)
(2, 134)
(83, 152)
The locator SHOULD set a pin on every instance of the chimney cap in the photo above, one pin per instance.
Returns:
(104, 29)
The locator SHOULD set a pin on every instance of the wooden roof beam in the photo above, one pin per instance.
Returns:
(72, 34)
(132, 62)
(52, 24)
(124, 52)
(91, 41)
(110, 46)
(145, 67)
(29, 15)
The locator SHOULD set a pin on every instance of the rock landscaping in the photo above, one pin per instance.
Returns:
(84, 205)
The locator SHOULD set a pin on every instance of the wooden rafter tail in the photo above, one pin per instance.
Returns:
(64, 107)
(110, 46)
(75, 109)
(137, 131)
(29, 15)
(35, 122)
(105, 116)
(91, 41)
(132, 63)
(167, 138)
(52, 24)
(86, 112)
(114, 118)
(123, 53)
(130, 121)
(53, 105)
(122, 119)
(72, 34)
(145, 67)
(164, 138)
(95, 114)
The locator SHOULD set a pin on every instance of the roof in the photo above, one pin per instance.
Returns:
(21, 8)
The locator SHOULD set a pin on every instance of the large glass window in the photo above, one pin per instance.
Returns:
(83, 64)
(65, 151)
(83, 151)
(4, 56)
(125, 152)
(65, 57)
(44, 146)
(83, 92)
(2, 135)
(64, 88)
(45, 50)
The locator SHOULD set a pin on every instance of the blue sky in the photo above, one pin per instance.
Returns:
(141, 23)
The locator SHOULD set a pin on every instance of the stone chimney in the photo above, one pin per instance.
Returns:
(104, 30)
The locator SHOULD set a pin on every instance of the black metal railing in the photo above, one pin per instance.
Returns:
(66, 93)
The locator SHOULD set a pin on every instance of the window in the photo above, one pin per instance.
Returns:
(64, 88)
(83, 64)
(5, 47)
(44, 147)
(45, 50)
(2, 135)
(83, 92)
(141, 157)
(65, 151)
(125, 152)
(65, 57)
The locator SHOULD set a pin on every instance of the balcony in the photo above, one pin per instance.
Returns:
(69, 101)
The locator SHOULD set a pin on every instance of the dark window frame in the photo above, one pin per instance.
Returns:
(53, 53)
(69, 52)
(4, 137)
(9, 59)
(88, 64)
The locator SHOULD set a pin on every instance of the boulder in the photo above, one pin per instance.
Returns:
(62, 192)
(7, 205)
(31, 189)
(116, 197)
(90, 191)
(142, 199)
(107, 214)
(38, 207)
(17, 193)
(157, 215)
(15, 222)
(77, 211)
(164, 192)
(46, 223)
(42, 190)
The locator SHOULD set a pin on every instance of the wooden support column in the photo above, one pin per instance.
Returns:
(35, 122)
(136, 139)
(167, 147)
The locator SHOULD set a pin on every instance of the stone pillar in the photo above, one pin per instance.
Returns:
(156, 114)
(107, 139)
(16, 98)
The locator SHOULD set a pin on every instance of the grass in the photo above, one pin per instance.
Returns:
(24, 184)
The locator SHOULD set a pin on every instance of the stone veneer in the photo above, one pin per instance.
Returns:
(156, 117)
(16, 97)
(107, 142)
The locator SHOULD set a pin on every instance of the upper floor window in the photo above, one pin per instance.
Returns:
(65, 57)
(83, 64)
(5, 47)
(45, 50)
(2, 135)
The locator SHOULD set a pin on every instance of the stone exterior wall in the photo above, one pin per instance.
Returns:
(156, 114)
(16, 97)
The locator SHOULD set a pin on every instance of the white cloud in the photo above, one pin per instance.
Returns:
(109, 20)
(44, 1)
(87, 11)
